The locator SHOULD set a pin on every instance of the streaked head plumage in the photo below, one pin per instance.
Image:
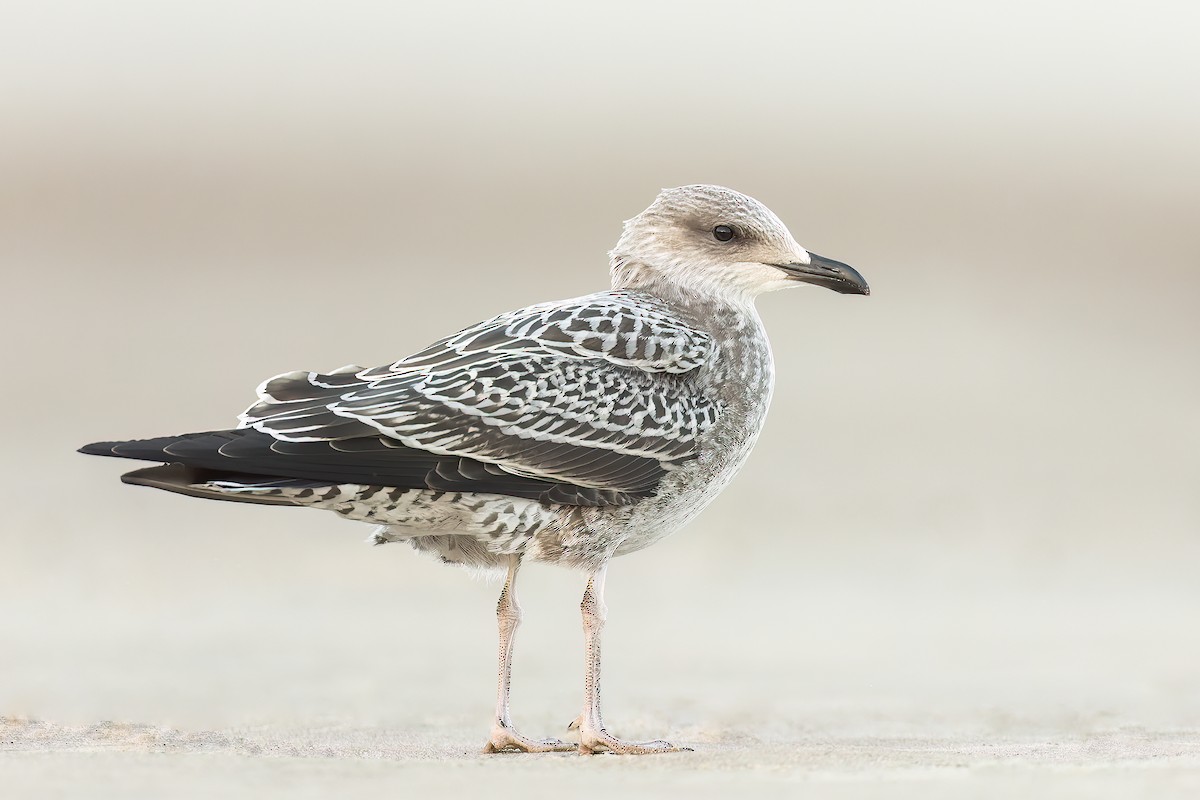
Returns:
(713, 240)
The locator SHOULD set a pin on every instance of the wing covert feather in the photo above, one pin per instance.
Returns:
(598, 392)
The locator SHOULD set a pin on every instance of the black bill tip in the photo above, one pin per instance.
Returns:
(821, 271)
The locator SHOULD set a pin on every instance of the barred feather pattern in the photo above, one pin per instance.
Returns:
(478, 529)
(598, 392)
(430, 520)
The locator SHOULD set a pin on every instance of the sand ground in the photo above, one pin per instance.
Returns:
(128, 762)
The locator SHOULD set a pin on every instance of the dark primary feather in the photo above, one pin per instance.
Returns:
(248, 456)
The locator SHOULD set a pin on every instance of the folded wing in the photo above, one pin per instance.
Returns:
(596, 394)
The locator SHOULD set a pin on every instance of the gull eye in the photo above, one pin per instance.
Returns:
(722, 233)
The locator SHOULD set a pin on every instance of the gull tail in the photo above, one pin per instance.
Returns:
(194, 481)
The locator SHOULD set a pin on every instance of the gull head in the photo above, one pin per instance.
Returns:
(713, 240)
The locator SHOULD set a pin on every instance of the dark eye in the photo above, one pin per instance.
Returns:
(722, 233)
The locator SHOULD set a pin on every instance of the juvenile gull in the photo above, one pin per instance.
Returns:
(568, 432)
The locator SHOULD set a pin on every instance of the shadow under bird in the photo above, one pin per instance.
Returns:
(568, 432)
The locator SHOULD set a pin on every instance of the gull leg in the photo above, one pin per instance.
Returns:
(592, 735)
(504, 736)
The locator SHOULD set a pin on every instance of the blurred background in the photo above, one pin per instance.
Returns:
(974, 510)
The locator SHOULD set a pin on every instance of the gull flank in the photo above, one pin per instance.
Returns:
(567, 432)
